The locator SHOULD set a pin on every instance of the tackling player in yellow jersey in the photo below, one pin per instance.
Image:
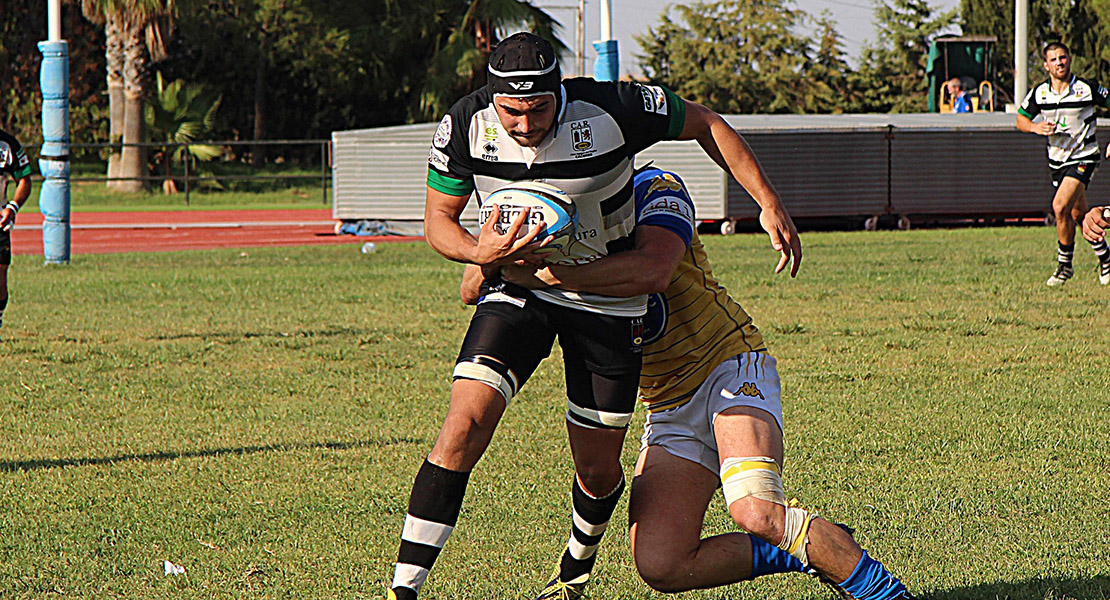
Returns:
(715, 419)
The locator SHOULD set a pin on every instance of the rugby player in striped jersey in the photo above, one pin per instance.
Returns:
(580, 135)
(1066, 106)
(712, 394)
(15, 164)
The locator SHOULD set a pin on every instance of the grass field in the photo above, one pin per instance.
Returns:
(258, 416)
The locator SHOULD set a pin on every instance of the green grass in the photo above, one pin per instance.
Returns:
(257, 416)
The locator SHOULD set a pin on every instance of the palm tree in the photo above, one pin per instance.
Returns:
(134, 32)
(459, 65)
(182, 113)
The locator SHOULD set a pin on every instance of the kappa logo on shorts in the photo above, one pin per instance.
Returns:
(749, 389)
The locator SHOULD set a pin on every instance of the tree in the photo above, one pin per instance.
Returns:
(459, 64)
(134, 32)
(743, 56)
(182, 113)
(891, 77)
(21, 28)
(1082, 25)
(831, 71)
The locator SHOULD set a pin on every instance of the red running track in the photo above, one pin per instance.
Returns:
(171, 231)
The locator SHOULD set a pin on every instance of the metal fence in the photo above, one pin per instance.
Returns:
(237, 156)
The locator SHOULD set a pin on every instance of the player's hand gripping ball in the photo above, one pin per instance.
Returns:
(545, 202)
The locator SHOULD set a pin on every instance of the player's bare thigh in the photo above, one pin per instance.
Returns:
(1068, 195)
(743, 431)
(666, 510)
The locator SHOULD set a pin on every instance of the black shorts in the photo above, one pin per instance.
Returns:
(602, 354)
(5, 247)
(1081, 171)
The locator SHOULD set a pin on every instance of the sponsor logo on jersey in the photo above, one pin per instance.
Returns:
(649, 99)
(750, 390)
(443, 133)
(490, 133)
(23, 160)
(438, 159)
(664, 181)
(655, 99)
(582, 137)
(660, 100)
(669, 206)
(490, 150)
(1082, 169)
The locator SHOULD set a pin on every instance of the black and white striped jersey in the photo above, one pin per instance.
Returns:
(13, 161)
(589, 155)
(1074, 114)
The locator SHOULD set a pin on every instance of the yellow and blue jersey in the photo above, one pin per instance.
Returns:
(694, 325)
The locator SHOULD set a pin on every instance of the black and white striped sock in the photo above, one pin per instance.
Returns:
(434, 506)
(1064, 253)
(591, 519)
(1102, 251)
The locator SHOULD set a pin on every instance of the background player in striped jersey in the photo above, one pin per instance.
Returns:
(715, 418)
(1066, 107)
(581, 136)
(14, 164)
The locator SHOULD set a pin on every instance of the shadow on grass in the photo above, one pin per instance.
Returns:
(53, 463)
(1048, 588)
(338, 331)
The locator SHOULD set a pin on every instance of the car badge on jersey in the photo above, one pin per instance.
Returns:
(443, 133)
(582, 137)
(637, 334)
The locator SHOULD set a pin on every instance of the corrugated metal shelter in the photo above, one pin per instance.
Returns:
(912, 166)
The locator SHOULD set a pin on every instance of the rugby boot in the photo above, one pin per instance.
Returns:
(1104, 272)
(565, 590)
(1061, 276)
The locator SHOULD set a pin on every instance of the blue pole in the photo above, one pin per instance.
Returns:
(607, 67)
(54, 158)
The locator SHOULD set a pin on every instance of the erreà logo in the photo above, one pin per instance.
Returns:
(749, 389)
(521, 86)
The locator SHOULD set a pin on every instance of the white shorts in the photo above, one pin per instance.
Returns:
(748, 379)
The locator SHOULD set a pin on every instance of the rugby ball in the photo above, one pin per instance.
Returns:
(545, 202)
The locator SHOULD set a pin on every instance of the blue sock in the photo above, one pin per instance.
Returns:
(871, 581)
(767, 559)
